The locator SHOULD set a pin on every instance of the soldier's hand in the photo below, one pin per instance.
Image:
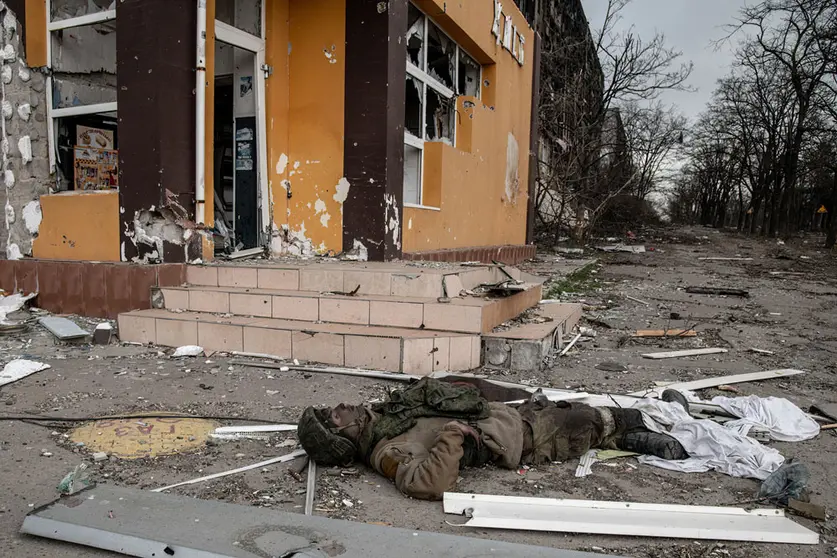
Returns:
(464, 429)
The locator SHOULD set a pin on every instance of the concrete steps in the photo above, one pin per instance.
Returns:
(399, 317)
(411, 351)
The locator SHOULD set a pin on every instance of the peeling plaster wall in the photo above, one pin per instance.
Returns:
(305, 104)
(24, 144)
(479, 185)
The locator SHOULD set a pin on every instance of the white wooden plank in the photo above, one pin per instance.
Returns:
(685, 353)
(628, 519)
(726, 380)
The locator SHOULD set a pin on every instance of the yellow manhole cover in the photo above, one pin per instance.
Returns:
(144, 437)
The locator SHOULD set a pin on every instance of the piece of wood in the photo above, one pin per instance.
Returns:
(665, 333)
(807, 509)
(311, 487)
(725, 259)
(726, 380)
(829, 427)
(570, 344)
(686, 353)
(628, 519)
(327, 370)
(281, 459)
(720, 291)
(638, 300)
(761, 351)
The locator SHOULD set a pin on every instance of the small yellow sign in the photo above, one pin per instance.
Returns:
(135, 438)
(822, 209)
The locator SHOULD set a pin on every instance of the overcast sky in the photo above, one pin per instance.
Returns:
(690, 26)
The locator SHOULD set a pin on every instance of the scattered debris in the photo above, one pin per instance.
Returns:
(570, 345)
(100, 456)
(587, 331)
(638, 300)
(631, 249)
(282, 459)
(720, 291)
(726, 380)
(665, 333)
(256, 432)
(246, 254)
(63, 329)
(10, 304)
(103, 334)
(611, 367)
(628, 519)
(807, 509)
(327, 370)
(76, 480)
(725, 259)
(761, 351)
(353, 292)
(19, 369)
(686, 353)
(188, 351)
(828, 410)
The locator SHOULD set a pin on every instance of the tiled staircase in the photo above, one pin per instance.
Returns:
(400, 318)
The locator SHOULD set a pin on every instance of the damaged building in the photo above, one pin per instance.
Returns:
(152, 131)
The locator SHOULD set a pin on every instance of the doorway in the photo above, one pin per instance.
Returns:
(239, 142)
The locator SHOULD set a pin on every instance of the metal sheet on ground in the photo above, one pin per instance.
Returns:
(63, 328)
(628, 519)
(145, 524)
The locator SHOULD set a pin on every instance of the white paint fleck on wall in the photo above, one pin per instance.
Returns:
(324, 219)
(24, 144)
(410, 224)
(512, 170)
(286, 184)
(282, 164)
(32, 216)
(342, 191)
(319, 206)
(392, 222)
(13, 252)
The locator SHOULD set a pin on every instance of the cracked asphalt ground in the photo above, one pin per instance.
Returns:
(791, 312)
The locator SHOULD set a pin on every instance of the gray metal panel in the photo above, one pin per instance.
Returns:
(62, 328)
(153, 525)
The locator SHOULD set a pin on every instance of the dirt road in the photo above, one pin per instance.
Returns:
(791, 312)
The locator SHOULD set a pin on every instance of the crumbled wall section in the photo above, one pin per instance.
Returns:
(24, 149)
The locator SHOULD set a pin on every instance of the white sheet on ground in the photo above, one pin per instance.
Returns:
(710, 445)
(12, 303)
(17, 369)
(783, 420)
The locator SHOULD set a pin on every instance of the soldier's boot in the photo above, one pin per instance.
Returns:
(652, 443)
(674, 396)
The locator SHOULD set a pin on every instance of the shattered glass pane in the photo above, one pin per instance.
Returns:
(441, 56)
(66, 9)
(440, 112)
(412, 175)
(84, 65)
(415, 37)
(413, 110)
(469, 76)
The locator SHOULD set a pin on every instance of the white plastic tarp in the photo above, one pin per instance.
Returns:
(12, 303)
(784, 421)
(17, 369)
(710, 445)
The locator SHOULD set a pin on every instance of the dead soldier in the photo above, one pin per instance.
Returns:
(425, 434)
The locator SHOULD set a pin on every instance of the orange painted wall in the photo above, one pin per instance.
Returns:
(79, 226)
(36, 33)
(305, 102)
(468, 181)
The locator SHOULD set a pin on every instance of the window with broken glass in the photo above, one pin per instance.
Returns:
(438, 70)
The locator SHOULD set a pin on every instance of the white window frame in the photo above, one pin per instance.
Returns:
(53, 113)
(426, 80)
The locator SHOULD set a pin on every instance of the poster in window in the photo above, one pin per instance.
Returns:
(95, 169)
(99, 138)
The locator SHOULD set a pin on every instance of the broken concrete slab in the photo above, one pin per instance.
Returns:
(141, 523)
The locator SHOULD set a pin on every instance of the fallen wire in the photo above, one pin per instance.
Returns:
(35, 419)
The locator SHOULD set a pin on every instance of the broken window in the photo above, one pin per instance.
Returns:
(437, 71)
(412, 174)
(68, 9)
(439, 118)
(415, 37)
(245, 15)
(469, 76)
(84, 65)
(414, 102)
(441, 56)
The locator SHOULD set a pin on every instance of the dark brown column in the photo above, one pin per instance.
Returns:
(376, 56)
(155, 49)
(534, 137)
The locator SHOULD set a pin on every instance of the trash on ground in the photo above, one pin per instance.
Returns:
(686, 353)
(19, 369)
(788, 481)
(13, 303)
(103, 334)
(255, 432)
(720, 291)
(638, 300)
(76, 480)
(665, 333)
(188, 351)
(761, 351)
(631, 249)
